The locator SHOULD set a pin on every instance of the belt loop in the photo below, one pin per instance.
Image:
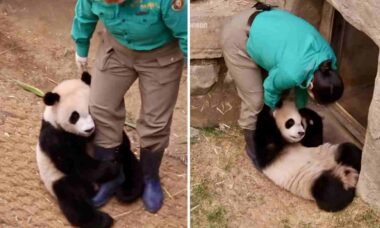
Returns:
(260, 7)
(252, 18)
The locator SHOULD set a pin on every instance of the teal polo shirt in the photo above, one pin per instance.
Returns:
(138, 25)
(291, 50)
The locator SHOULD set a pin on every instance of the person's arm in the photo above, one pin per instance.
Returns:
(174, 14)
(275, 84)
(83, 27)
(301, 97)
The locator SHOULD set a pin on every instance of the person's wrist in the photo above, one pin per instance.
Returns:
(80, 58)
(273, 111)
(81, 62)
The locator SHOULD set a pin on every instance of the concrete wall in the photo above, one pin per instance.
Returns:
(364, 15)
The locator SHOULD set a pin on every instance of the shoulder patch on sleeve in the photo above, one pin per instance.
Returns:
(178, 5)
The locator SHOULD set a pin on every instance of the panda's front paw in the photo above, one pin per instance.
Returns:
(106, 221)
(103, 220)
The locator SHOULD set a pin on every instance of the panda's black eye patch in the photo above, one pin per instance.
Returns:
(289, 123)
(74, 117)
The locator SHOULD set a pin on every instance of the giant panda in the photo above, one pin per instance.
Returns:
(290, 152)
(67, 170)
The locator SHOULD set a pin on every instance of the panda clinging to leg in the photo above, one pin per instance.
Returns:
(290, 152)
(67, 170)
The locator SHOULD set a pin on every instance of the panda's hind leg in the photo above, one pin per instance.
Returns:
(74, 198)
(267, 138)
(350, 155)
(330, 193)
(133, 186)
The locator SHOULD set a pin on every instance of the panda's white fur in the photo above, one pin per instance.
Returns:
(325, 173)
(65, 168)
(48, 172)
(73, 96)
(297, 168)
(296, 132)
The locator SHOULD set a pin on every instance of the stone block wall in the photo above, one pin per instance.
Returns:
(212, 101)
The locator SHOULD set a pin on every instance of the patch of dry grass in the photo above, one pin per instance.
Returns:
(226, 191)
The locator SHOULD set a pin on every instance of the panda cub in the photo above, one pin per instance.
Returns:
(290, 152)
(65, 167)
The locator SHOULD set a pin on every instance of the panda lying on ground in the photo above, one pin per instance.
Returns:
(290, 152)
(65, 167)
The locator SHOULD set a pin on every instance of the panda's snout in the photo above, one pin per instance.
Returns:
(301, 133)
(90, 130)
(86, 125)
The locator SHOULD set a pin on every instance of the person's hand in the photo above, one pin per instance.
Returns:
(81, 62)
(273, 112)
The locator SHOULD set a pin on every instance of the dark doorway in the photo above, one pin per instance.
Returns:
(357, 58)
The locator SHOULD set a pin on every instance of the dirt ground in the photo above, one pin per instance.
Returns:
(227, 191)
(36, 48)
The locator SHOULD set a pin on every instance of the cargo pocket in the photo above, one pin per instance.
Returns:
(103, 56)
(170, 67)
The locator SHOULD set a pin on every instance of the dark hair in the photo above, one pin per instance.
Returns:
(327, 84)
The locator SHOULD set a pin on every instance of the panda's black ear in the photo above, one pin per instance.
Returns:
(51, 98)
(86, 77)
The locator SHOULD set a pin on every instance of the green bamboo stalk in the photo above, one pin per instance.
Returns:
(30, 88)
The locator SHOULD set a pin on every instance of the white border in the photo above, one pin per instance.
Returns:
(188, 113)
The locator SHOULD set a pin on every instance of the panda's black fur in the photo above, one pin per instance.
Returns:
(268, 137)
(314, 128)
(327, 189)
(76, 173)
(133, 185)
(68, 153)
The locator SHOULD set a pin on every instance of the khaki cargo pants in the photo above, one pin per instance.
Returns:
(244, 71)
(116, 69)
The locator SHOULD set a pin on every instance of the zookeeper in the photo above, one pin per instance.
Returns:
(291, 50)
(145, 40)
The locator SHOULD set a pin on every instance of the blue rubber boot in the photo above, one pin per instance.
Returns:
(107, 189)
(250, 147)
(153, 197)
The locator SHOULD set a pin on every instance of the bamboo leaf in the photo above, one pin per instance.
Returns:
(30, 88)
